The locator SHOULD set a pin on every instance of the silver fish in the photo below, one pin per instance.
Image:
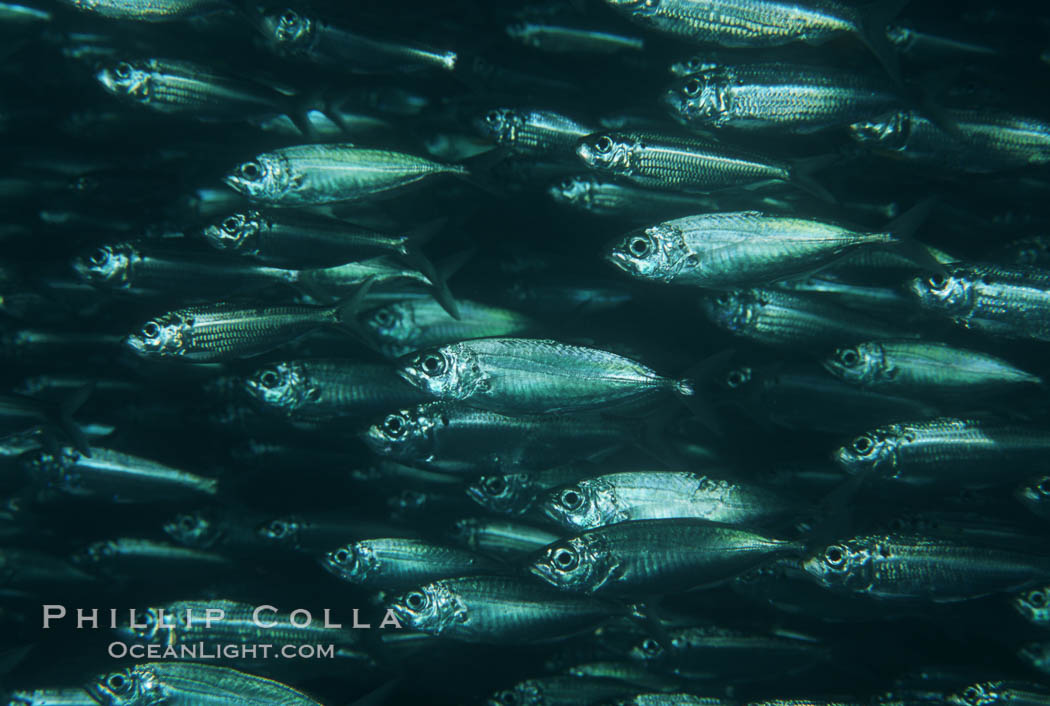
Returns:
(398, 562)
(191, 684)
(149, 10)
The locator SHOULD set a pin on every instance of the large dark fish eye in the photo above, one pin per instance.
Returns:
(938, 281)
(834, 555)
(230, 225)
(495, 485)
(1036, 599)
(639, 246)
(117, 682)
(1043, 486)
(99, 257)
(508, 698)
(736, 378)
(187, 522)
(432, 364)
(278, 528)
(971, 694)
(341, 556)
(250, 170)
(269, 379)
(692, 88)
(123, 70)
(565, 559)
(724, 299)
(570, 499)
(492, 117)
(651, 646)
(863, 445)
(849, 357)
(394, 426)
(151, 330)
(415, 600)
(603, 144)
(383, 318)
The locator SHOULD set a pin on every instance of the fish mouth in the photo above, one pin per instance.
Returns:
(412, 376)
(477, 495)
(97, 692)
(812, 566)
(235, 183)
(374, 439)
(105, 77)
(844, 461)
(543, 572)
(136, 344)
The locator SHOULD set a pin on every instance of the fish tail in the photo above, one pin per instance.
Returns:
(66, 409)
(871, 26)
(411, 253)
(344, 314)
(439, 283)
(684, 387)
(802, 171)
(903, 229)
(211, 486)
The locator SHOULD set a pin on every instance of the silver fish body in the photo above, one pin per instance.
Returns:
(191, 684)
(501, 538)
(148, 10)
(646, 556)
(398, 562)
(536, 133)
(602, 196)
(534, 376)
(308, 175)
(562, 38)
(71, 696)
(516, 493)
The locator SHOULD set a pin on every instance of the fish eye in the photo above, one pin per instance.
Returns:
(289, 17)
(123, 70)
(151, 330)
(495, 485)
(736, 378)
(692, 88)
(604, 144)
(394, 426)
(278, 528)
(1043, 486)
(650, 646)
(117, 682)
(187, 522)
(415, 600)
(566, 184)
(99, 257)
(251, 170)
(1036, 599)
(639, 246)
(570, 499)
(509, 698)
(566, 559)
(341, 556)
(938, 281)
(432, 364)
(724, 299)
(230, 225)
(269, 379)
(492, 117)
(834, 555)
(849, 357)
(971, 694)
(384, 318)
(863, 445)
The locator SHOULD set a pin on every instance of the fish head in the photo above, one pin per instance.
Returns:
(501, 125)
(703, 97)
(871, 452)
(606, 152)
(584, 505)
(571, 565)
(658, 253)
(136, 686)
(733, 311)
(283, 531)
(950, 293)
(845, 565)
(525, 693)
(284, 386)
(289, 31)
(577, 191)
(268, 177)
(406, 434)
(354, 562)
(192, 529)
(505, 494)
(860, 364)
(982, 694)
(108, 265)
(635, 7)
(1036, 654)
(393, 327)
(465, 532)
(236, 233)
(126, 79)
(1036, 494)
(146, 625)
(166, 335)
(1034, 605)
(432, 609)
(888, 132)
(693, 65)
(648, 650)
(96, 553)
(446, 373)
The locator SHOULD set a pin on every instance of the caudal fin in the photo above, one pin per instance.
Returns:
(445, 270)
(872, 27)
(347, 310)
(411, 253)
(802, 172)
(904, 228)
(66, 409)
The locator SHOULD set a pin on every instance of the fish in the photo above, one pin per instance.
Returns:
(317, 533)
(651, 495)
(398, 562)
(311, 175)
(606, 197)
(782, 319)
(190, 683)
(149, 10)
(559, 690)
(562, 38)
(998, 692)
(675, 163)
(768, 23)
(226, 330)
(746, 248)
(452, 438)
(543, 134)
(329, 389)
(945, 450)
(792, 98)
(1034, 495)
(672, 699)
(1002, 301)
(655, 556)
(410, 325)
(1034, 606)
(70, 696)
(535, 376)
(927, 368)
(294, 34)
(498, 610)
(500, 538)
(517, 493)
(917, 568)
